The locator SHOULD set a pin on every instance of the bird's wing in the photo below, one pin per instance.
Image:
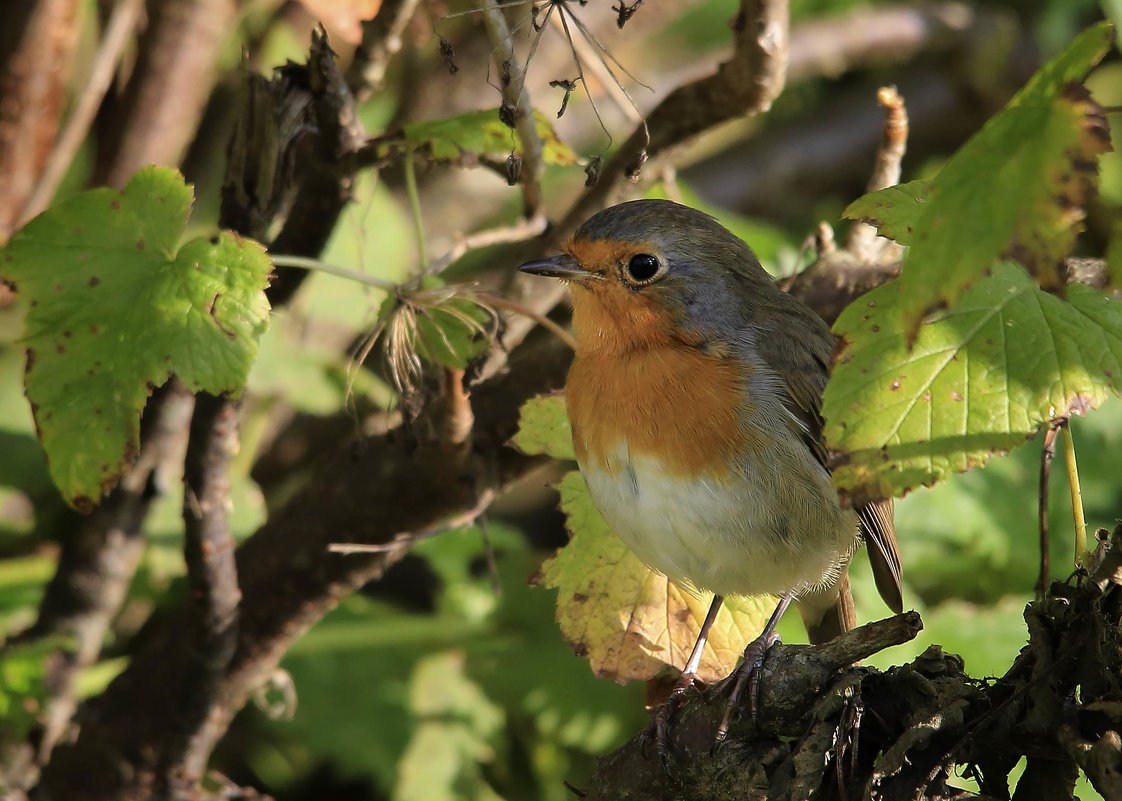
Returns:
(802, 364)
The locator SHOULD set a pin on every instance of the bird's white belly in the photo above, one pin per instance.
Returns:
(756, 530)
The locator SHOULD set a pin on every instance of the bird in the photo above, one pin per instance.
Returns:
(694, 399)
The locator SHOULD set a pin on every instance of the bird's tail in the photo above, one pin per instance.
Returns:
(828, 612)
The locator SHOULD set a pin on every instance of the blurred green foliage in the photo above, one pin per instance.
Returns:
(449, 690)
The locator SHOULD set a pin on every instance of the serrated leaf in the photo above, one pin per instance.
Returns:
(981, 378)
(894, 211)
(1016, 189)
(115, 308)
(464, 138)
(543, 428)
(629, 621)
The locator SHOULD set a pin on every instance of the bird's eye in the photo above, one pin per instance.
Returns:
(642, 268)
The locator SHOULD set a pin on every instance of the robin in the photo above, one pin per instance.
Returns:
(694, 399)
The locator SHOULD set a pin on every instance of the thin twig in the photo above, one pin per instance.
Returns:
(517, 98)
(747, 83)
(415, 207)
(381, 41)
(1047, 454)
(305, 263)
(120, 26)
(212, 577)
(540, 319)
(863, 241)
(405, 538)
(1076, 495)
(520, 231)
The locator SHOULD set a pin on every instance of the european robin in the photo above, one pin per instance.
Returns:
(694, 399)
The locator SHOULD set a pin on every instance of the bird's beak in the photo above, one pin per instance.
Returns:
(563, 266)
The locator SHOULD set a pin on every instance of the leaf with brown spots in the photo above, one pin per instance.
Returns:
(894, 211)
(115, 305)
(1016, 190)
(982, 378)
(629, 621)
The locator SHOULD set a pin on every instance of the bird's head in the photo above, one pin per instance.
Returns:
(653, 272)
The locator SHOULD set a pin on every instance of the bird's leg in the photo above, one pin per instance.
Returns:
(661, 719)
(747, 672)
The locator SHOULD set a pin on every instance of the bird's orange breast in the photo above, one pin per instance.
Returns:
(635, 383)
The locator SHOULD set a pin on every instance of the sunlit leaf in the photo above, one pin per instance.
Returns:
(543, 428)
(629, 621)
(117, 306)
(1016, 189)
(981, 378)
(456, 725)
(465, 138)
(894, 211)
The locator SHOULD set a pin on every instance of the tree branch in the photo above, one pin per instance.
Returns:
(164, 100)
(747, 83)
(214, 595)
(37, 44)
(98, 560)
(381, 41)
(517, 100)
(117, 34)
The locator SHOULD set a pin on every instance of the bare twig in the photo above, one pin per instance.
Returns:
(517, 99)
(36, 53)
(381, 41)
(213, 581)
(747, 83)
(405, 538)
(168, 90)
(863, 241)
(99, 558)
(117, 33)
(521, 230)
(1047, 454)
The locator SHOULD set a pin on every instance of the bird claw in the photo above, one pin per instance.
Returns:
(658, 728)
(748, 674)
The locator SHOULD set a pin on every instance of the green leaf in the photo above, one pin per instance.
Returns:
(116, 308)
(894, 211)
(457, 725)
(628, 620)
(1016, 189)
(1084, 52)
(453, 332)
(982, 378)
(465, 138)
(23, 669)
(543, 428)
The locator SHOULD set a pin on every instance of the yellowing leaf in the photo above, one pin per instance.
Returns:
(628, 620)
(1016, 189)
(543, 427)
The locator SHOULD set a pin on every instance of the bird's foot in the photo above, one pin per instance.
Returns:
(746, 676)
(658, 728)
